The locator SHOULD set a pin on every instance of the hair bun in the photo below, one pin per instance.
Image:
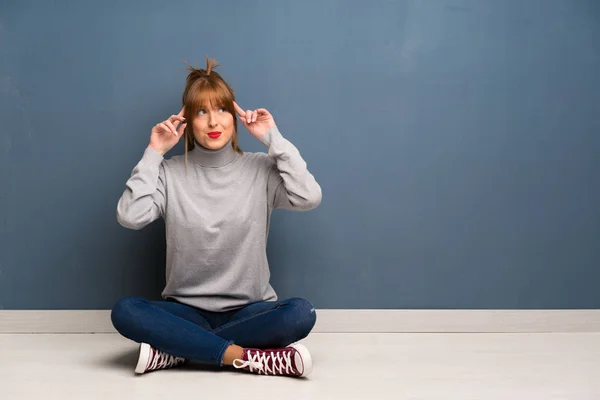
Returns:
(201, 73)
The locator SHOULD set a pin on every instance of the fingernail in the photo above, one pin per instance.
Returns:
(248, 120)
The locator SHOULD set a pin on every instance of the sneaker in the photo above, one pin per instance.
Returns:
(294, 360)
(152, 359)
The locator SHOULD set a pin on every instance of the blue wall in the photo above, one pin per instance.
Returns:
(457, 143)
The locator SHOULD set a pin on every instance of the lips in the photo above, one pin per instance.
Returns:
(214, 135)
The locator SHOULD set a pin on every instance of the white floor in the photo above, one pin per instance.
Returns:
(347, 366)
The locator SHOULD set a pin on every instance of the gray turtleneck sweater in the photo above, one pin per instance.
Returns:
(217, 216)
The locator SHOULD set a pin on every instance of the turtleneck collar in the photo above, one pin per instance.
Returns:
(213, 158)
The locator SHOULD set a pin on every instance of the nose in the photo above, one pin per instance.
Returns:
(212, 121)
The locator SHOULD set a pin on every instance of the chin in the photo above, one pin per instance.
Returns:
(215, 144)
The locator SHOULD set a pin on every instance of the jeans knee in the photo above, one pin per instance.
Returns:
(122, 313)
(304, 316)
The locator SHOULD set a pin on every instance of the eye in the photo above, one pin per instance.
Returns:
(222, 109)
(202, 111)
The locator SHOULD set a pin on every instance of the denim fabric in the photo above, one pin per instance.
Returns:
(185, 331)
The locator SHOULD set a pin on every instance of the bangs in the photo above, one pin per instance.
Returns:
(210, 95)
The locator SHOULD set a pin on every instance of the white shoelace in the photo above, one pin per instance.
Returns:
(163, 360)
(260, 360)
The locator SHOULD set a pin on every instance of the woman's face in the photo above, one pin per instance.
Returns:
(213, 127)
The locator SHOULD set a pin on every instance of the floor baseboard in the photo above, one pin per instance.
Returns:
(342, 321)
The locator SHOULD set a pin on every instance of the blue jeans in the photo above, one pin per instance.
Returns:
(194, 334)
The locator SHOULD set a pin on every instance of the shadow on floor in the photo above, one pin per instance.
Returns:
(127, 360)
(120, 360)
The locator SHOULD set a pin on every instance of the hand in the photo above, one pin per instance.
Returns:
(258, 122)
(165, 135)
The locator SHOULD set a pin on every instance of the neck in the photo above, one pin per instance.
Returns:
(213, 158)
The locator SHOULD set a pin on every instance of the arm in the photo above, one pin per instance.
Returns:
(143, 200)
(290, 185)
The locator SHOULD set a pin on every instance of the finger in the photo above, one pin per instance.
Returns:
(178, 121)
(181, 129)
(174, 118)
(263, 111)
(171, 127)
(181, 112)
(263, 114)
(239, 109)
(248, 116)
(164, 128)
(254, 116)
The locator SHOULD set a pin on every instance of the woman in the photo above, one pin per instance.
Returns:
(218, 306)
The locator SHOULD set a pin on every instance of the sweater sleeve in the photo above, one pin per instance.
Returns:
(290, 185)
(143, 200)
